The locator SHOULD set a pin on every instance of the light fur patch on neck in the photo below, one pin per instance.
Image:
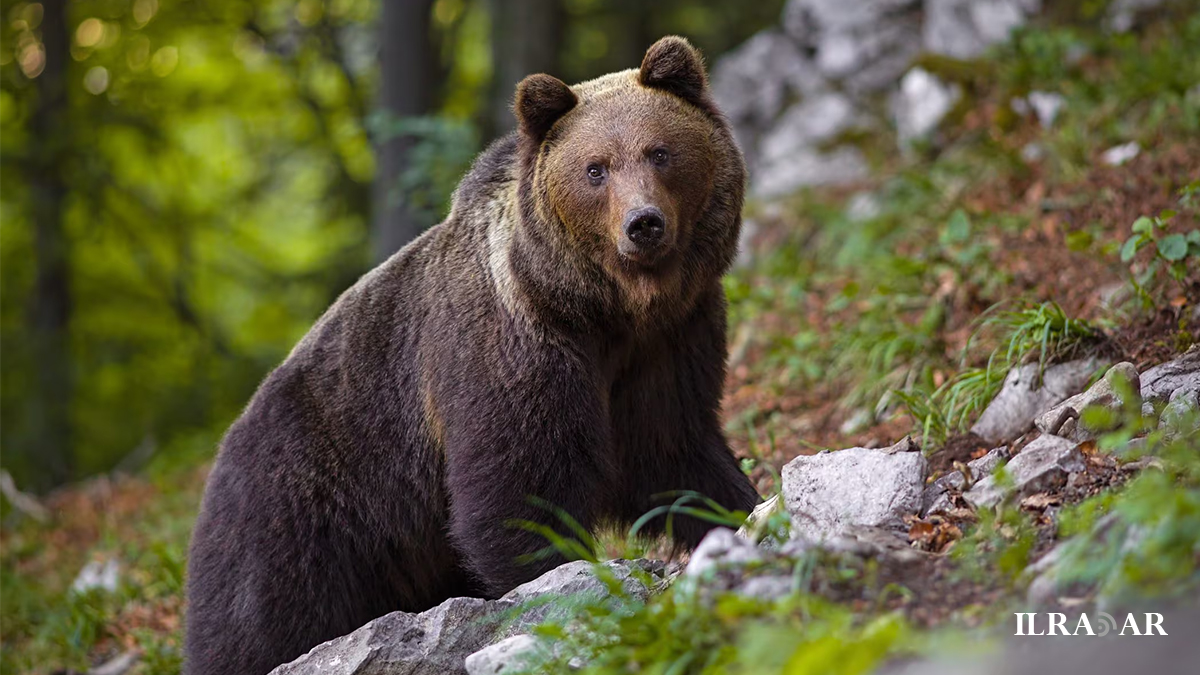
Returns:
(501, 216)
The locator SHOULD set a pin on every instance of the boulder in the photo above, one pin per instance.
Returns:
(863, 46)
(440, 639)
(754, 82)
(832, 491)
(1045, 464)
(1023, 397)
(1066, 418)
(578, 577)
(808, 167)
(1159, 384)
(789, 155)
(433, 642)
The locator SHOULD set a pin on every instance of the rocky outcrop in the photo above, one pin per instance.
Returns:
(829, 66)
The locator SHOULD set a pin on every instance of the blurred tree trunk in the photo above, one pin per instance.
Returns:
(49, 419)
(526, 38)
(408, 68)
(629, 45)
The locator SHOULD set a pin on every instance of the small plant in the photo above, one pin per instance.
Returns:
(1140, 541)
(1176, 252)
(1044, 330)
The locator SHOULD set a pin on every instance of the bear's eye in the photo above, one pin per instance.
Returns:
(595, 172)
(660, 156)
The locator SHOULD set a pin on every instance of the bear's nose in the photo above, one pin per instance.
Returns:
(645, 226)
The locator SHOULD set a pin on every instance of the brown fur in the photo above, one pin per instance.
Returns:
(523, 347)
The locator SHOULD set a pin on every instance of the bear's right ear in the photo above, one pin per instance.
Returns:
(541, 100)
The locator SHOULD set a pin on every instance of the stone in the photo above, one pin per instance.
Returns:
(1021, 399)
(1066, 418)
(1119, 154)
(860, 420)
(438, 640)
(831, 491)
(1122, 15)
(936, 498)
(767, 587)
(103, 575)
(789, 154)
(756, 526)
(721, 549)
(987, 465)
(1032, 152)
(578, 577)
(1181, 417)
(862, 46)
(1159, 384)
(509, 655)
(1046, 105)
(920, 105)
(875, 542)
(433, 642)
(118, 665)
(863, 206)
(753, 83)
(1043, 465)
(963, 29)
(808, 167)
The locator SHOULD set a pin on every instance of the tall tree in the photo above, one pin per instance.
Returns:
(409, 68)
(50, 309)
(526, 38)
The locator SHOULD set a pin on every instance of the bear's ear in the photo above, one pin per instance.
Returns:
(540, 101)
(674, 65)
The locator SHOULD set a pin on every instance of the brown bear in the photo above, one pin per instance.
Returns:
(560, 336)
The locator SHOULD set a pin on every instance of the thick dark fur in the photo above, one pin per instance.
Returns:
(378, 467)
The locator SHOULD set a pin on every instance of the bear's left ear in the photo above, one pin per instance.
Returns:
(674, 65)
(541, 100)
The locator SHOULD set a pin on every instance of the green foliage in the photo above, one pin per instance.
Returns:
(47, 626)
(215, 202)
(1044, 331)
(1142, 540)
(1178, 253)
(442, 151)
(999, 546)
(688, 630)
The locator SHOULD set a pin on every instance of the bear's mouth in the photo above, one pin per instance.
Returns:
(635, 260)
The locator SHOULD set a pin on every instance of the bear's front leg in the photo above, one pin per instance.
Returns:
(532, 431)
(667, 427)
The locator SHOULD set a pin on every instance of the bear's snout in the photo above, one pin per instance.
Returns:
(645, 226)
(644, 234)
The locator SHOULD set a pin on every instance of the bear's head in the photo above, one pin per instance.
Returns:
(637, 171)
